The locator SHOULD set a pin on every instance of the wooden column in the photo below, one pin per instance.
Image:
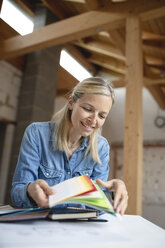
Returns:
(132, 172)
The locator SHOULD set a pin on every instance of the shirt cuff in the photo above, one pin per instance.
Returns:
(21, 198)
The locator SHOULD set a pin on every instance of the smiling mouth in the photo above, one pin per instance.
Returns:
(87, 127)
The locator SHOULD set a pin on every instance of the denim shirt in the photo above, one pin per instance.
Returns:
(39, 160)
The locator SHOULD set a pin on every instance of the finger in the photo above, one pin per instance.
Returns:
(125, 204)
(122, 211)
(122, 207)
(107, 185)
(42, 203)
(38, 194)
(122, 203)
(116, 199)
(40, 197)
(120, 198)
(45, 187)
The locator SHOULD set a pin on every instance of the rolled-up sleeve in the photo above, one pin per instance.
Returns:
(27, 168)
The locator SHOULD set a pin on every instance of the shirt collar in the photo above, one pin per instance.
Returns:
(84, 143)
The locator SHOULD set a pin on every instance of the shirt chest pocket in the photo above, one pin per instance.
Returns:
(81, 172)
(51, 176)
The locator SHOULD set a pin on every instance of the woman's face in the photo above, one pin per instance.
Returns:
(89, 113)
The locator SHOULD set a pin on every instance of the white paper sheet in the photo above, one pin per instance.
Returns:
(131, 231)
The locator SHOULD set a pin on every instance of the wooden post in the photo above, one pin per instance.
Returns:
(132, 173)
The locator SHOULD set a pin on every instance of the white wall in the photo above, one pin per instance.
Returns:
(114, 126)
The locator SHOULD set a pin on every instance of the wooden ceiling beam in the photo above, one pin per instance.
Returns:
(102, 47)
(105, 35)
(150, 60)
(155, 71)
(75, 1)
(146, 81)
(119, 83)
(158, 95)
(7, 31)
(80, 58)
(93, 4)
(163, 89)
(149, 81)
(78, 27)
(156, 50)
(112, 73)
(147, 10)
(152, 36)
(153, 13)
(118, 41)
(61, 32)
(118, 1)
(109, 63)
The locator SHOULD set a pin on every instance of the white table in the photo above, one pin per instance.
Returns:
(130, 232)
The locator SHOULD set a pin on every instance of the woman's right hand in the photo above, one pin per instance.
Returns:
(39, 191)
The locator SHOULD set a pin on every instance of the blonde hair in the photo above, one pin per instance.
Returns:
(93, 85)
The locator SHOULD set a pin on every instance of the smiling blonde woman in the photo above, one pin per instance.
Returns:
(68, 146)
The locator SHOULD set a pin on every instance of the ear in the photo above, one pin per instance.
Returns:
(70, 103)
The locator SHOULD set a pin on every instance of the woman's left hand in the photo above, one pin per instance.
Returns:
(120, 202)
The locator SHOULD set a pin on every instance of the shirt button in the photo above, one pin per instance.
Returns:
(47, 174)
(68, 172)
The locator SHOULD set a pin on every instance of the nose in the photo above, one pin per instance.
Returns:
(93, 119)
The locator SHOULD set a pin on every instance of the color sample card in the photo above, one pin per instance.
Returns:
(71, 188)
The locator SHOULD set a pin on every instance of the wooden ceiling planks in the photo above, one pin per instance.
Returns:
(151, 13)
(102, 48)
(108, 63)
(60, 32)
